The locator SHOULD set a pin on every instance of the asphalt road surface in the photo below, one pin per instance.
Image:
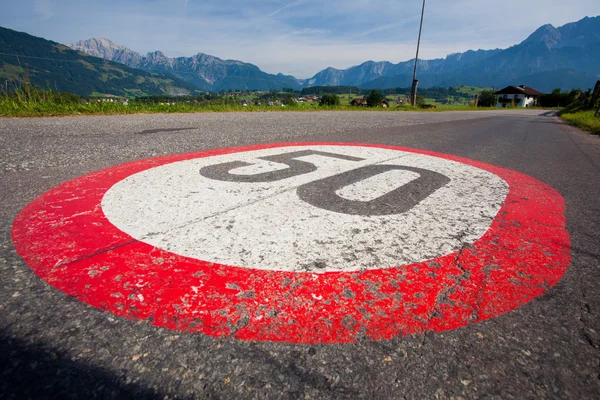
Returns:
(53, 345)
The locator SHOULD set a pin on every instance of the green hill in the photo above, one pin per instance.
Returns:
(49, 65)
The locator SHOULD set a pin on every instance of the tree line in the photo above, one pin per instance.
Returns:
(436, 93)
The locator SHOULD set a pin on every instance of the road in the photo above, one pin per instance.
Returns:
(55, 346)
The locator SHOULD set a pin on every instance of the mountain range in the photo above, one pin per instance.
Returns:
(370, 71)
(202, 70)
(565, 57)
(49, 65)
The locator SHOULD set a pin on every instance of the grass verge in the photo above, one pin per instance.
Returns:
(582, 118)
(10, 108)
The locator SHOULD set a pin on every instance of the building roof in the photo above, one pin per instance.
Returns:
(522, 89)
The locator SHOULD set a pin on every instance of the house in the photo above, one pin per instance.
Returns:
(359, 102)
(517, 96)
(385, 103)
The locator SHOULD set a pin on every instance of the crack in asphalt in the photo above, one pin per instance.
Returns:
(94, 254)
(161, 130)
(246, 204)
(585, 330)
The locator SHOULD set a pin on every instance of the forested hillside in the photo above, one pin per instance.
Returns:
(49, 65)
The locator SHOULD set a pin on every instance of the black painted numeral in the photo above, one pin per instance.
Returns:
(322, 193)
(220, 172)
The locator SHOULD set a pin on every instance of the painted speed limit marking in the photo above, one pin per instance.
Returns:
(300, 210)
(304, 243)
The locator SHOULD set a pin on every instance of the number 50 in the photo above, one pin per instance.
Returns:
(322, 193)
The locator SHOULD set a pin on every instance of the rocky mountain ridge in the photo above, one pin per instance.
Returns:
(202, 70)
(570, 54)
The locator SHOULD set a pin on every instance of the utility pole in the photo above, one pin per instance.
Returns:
(415, 82)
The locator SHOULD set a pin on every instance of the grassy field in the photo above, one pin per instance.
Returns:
(471, 90)
(11, 109)
(584, 119)
(30, 102)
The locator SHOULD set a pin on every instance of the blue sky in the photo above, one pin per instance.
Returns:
(297, 37)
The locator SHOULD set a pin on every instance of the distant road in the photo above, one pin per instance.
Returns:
(54, 345)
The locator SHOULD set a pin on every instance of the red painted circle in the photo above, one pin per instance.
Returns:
(65, 238)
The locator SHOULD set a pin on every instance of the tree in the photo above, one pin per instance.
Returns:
(329, 100)
(487, 98)
(374, 99)
(574, 95)
(289, 101)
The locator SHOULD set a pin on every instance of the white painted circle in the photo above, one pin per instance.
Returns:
(267, 226)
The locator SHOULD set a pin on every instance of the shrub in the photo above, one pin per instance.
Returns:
(329, 100)
(487, 99)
